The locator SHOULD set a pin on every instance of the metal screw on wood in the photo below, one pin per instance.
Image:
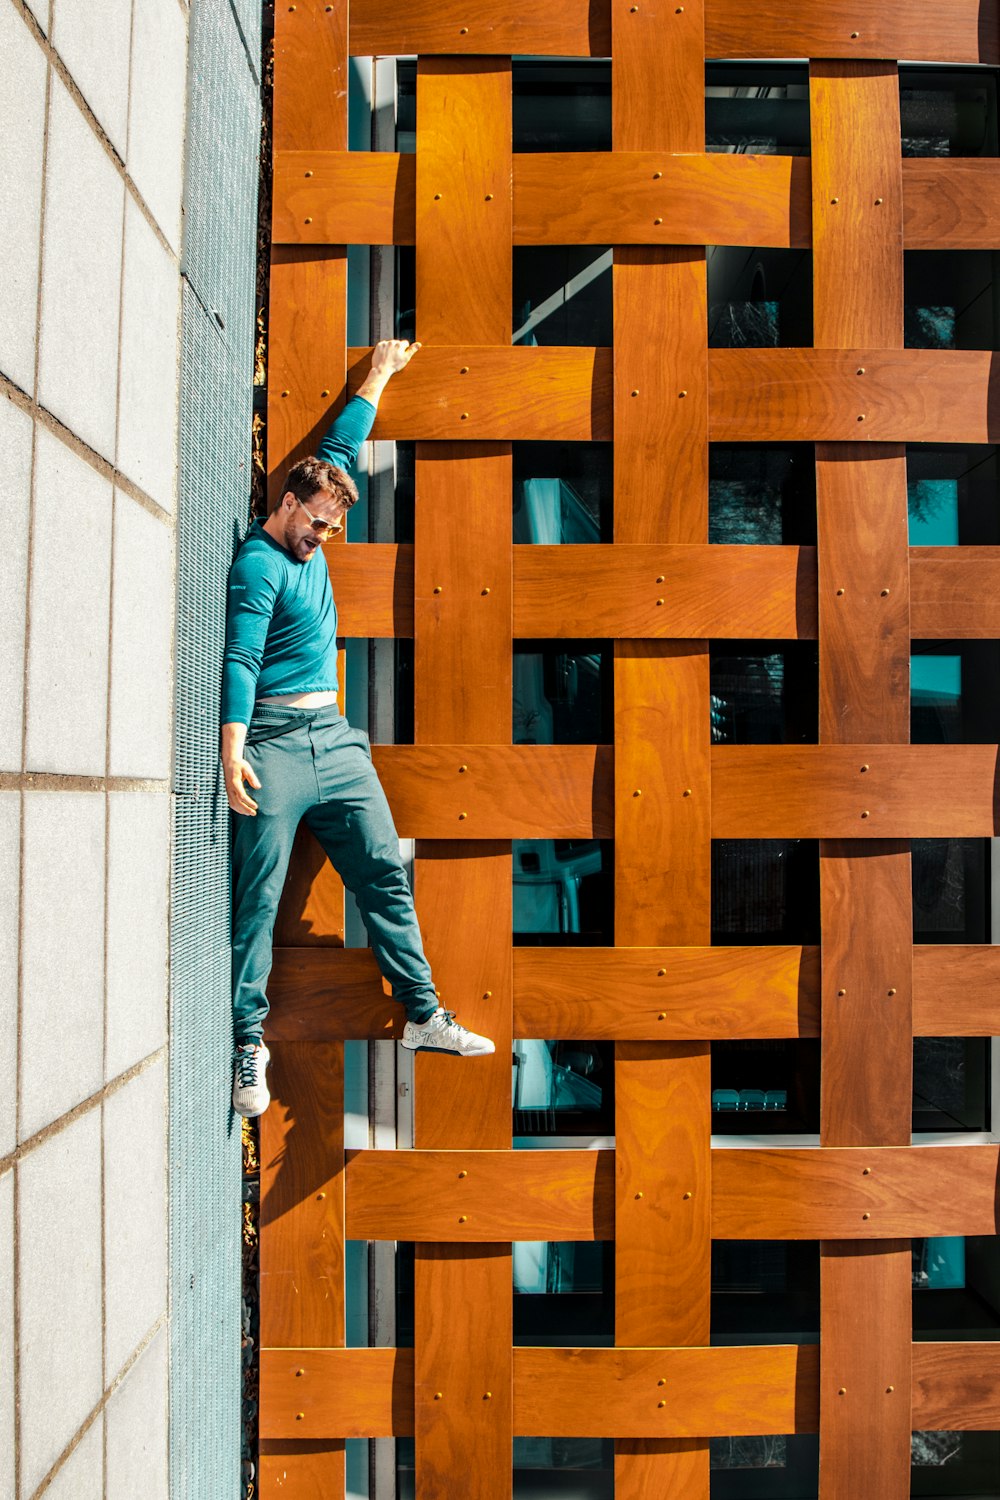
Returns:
(638, 1195)
(324, 393)
(300, 1372)
(463, 1218)
(437, 197)
(866, 1172)
(309, 221)
(842, 1391)
(437, 1395)
(660, 973)
(463, 1174)
(637, 792)
(681, 395)
(862, 417)
(866, 1216)
(834, 200)
(661, 578)
(687, 791)
(890, 993)
(865, 813)
(865, 767)
(855, 35)
(437, 588)
(487, 994)
(485, 592)
(488, 1396)
(462, 817)
(889, 1389)
(878, 202)
(489, 197)
(862, 370)
(308, 174)
(464, 370)
(635, 393)
(885, 593)
(840, 593)
(656, 175)
(299, 1415)
(465, 416)
(461, 769)
(657, 221)
(320, 1196)
(841, 993)
(662, 1016)
(661, 1381)
(661, 1403)
(659, 602)
(686, 1195)
(284, 394)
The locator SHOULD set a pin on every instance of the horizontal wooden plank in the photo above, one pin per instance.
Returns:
(347, 1393)
(955, 31)
(853, 1193)
(373, 587)
(854, 791)
(566, 28)
(343, 197)
(816, 395)
(498, 791)
(711, 591)
(955, 593)
(658, 198)
(951, 203)
(696, 1392)
(956, 1387)
(666, 994)
(601, 198)
(956, 989)
(492, 392)
(329, 994)
(633, 591)
(476, 1197)
(959, 31)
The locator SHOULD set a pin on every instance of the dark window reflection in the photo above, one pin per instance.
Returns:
(562, 294)
(562, 693)
(955, 1463)
(951, 1083)
(765, 1292)
(563, 892)
(764, 1468)
(761, 109)
(956, 1288)
(955, 692)
(562, 492)
(953, 495)
(759, 298)
(765, 1087)
(575, 1468)
(764, 693)
(765, 891)
(950, 890)
(760, 493)
(563, 1088)
(949, 300)
(945, 112)
(564, 1294)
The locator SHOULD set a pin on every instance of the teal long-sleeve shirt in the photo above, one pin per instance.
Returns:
(281, 619)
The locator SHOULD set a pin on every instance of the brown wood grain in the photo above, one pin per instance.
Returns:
(956, 989)
(346, 1393)
(961, 31)
(706, 591)
(817, 395)
(956, 1387)
(857, 207)
(821, 791)
(864, 596)
(680, 994)
(373, 586)
(463, 1394)
(567, 28)
(343, 197)
(662, 793)
(645, 1392)
(951, 204)
(824, 1193)
(463, 198)
(506, 791)
(313, 1470)
(302, 1197)
(867, 1064)
(311, 910)
(462, 594)
(865, 1378)
(505, 1195)
(954, 593)
(306, 360)
(369, 198)
(507, 394)
(663, 1198)
(649, 197)
(314, 999)
(310, 76)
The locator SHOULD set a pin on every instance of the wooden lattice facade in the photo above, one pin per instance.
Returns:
(660, 591)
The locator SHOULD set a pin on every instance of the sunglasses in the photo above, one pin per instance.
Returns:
(321, 527)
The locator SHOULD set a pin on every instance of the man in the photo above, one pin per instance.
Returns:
(284, 738)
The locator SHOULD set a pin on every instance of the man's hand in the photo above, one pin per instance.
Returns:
(236, 771)
(388, 357)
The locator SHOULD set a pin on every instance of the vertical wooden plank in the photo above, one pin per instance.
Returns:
(462, 693)
(310, 75)
(662, 738)
(864, 695)
(865, 1368)
(302, 1198)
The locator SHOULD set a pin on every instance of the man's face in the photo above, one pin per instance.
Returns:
(304, 533)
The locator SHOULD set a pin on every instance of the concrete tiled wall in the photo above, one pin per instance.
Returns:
(92, 113)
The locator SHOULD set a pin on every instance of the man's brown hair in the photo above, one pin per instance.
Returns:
(311, 475)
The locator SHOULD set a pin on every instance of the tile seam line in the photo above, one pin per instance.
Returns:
(97, 461)
(57, 781)
(94, 1101)
(73, 89)
(100, 1407)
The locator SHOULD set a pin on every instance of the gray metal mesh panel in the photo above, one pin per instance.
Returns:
(215, 423)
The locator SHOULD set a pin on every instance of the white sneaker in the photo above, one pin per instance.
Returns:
(250, 1095)
(442, 1033)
